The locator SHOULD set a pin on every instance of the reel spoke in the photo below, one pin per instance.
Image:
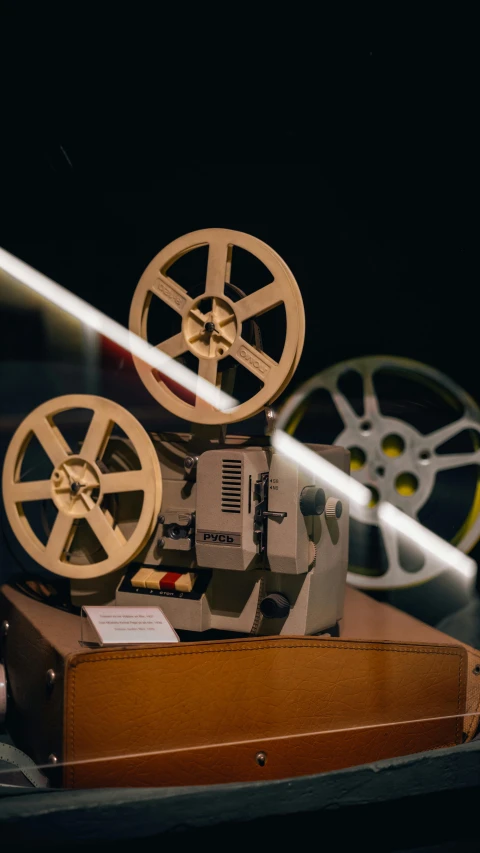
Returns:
(35, 490)
(207, 369)
(258, 363)
(390, 542)
(111, 540)
(447, 461)
(171, 293)
(52, 441)
(440, 436)
(174, 346)
(258, 303)
(60, 536)
(97, 436)
(371, 406)
(219, 265)
(345, 410)
(123, 481)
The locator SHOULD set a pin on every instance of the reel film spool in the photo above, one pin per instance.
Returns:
(395, 460)
(79, 487)
(214, 334)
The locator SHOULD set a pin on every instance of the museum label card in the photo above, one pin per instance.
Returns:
(122, 625)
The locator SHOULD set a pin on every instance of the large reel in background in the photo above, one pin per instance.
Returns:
(399, 462)
(214, 333)
(103, 496)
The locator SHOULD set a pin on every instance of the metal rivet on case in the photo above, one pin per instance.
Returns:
(52, 758)
(5, 628)
(476, 669)
(51, 677)
(261, 759)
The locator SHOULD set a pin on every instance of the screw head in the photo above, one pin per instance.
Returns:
(5, 628)
(52, 758)
(270, 417)
(261, 759)
(161, 543)
(189, 462)
(51, 677)
(161, 519)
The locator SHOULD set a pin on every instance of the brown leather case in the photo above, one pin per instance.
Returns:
(256, 709)
(260, 708)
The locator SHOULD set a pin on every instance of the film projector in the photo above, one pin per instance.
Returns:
(219, 530)
(243, 549)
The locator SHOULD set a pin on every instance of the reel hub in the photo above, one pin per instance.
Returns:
(210, 334)
(76, 486)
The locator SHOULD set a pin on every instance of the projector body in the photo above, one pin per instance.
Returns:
(263, 548)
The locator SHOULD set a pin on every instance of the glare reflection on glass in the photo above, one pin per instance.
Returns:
(107, 327)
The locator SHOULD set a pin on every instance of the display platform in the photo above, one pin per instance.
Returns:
(422, 801)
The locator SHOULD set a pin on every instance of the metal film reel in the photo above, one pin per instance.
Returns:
(396, 460)
(83, 491)
(215, 333)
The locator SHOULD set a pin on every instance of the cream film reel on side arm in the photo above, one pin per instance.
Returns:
(101, 516)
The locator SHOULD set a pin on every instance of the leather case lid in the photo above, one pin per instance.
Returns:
(202, 712)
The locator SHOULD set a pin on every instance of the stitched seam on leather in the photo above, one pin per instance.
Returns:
(84, 659)
(168, 653)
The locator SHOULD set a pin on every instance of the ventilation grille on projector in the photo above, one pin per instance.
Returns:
(231, 485)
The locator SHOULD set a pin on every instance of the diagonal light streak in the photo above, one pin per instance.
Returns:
(104, 325)
(321, 468)
(386, 512)
(426, 540)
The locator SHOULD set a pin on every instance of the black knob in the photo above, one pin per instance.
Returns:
(312, 501)
(275, 606)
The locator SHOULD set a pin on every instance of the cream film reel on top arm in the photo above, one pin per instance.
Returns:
(216, 333)
(400, 463)
(98, 521)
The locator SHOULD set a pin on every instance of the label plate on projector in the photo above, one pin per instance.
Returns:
(215, 537)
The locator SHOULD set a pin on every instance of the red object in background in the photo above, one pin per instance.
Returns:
(116, 358)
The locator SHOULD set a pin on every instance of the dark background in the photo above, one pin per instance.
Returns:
(380, 271)
(355, 161)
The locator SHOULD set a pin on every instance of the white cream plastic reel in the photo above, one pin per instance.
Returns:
(217, 334)
(78, 484)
